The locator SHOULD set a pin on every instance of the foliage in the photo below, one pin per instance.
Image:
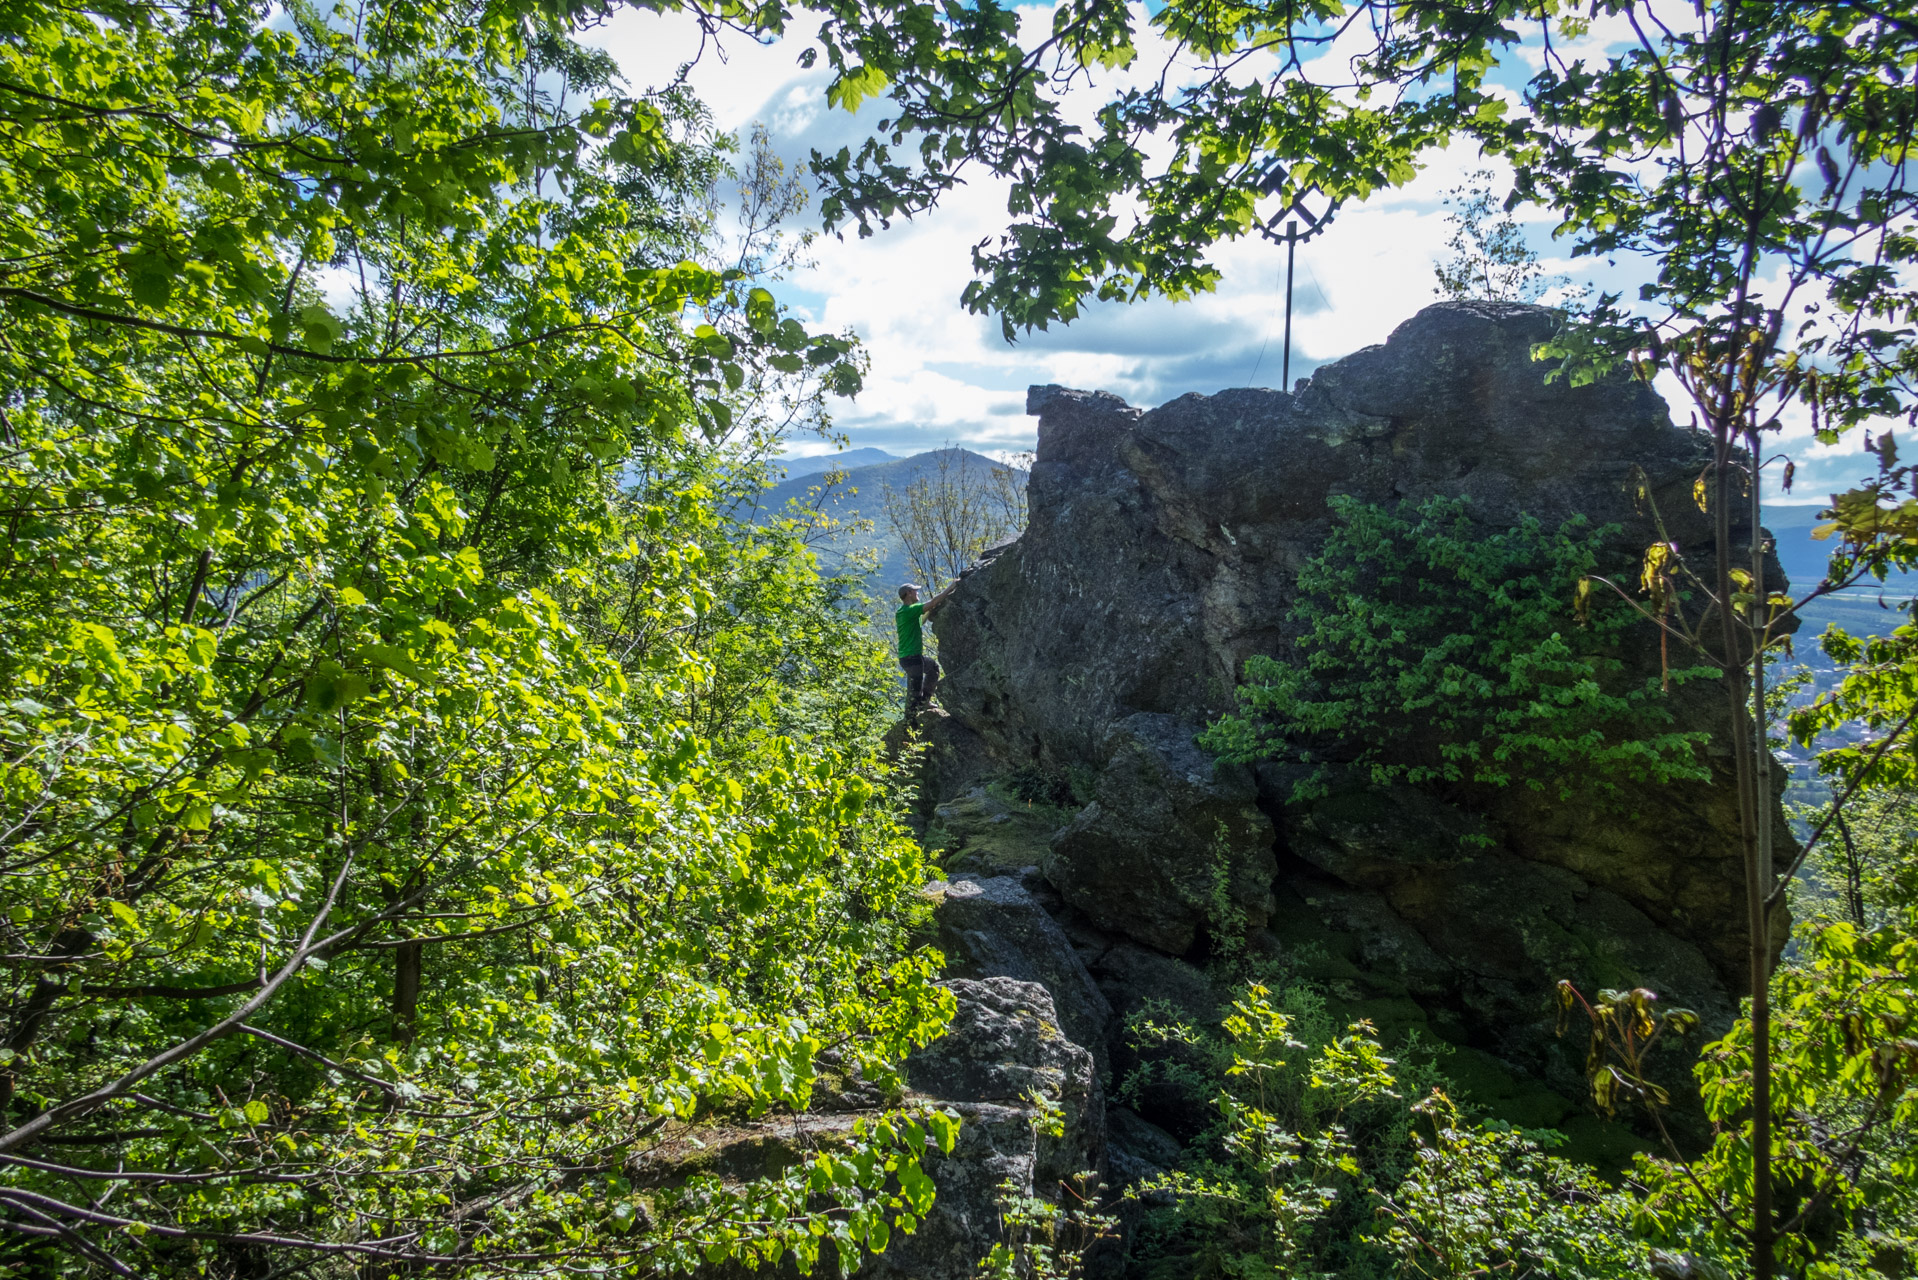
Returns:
(784, 652)
(1043, 1240)
(1484, 1200)
(1318, 1167)
(406, 850)
(1040, 1239)
(1844, 1104)
(1755, 155)
(1870, 871)
(1433, 651)
(1864, 868)
(1627, 1028)
(1306, 1121)
(944, 519)
(1639, 151)
(1490, 259)
(1876, 693)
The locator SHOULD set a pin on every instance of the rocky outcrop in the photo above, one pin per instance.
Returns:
(1031, 1115)
(993, 927)
(1172, 842)
(1163, 550)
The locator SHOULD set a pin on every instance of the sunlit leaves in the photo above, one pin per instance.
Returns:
(330, 353)
(1844, 1108)
(1484, 1200)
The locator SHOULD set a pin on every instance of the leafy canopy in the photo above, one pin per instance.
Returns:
(404, 852)
(1798, 115)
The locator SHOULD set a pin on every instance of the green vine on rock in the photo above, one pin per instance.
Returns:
(1431, 650)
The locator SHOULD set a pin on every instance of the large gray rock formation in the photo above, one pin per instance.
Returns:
(1003, 1058)
(991, 926)
(1163, 550)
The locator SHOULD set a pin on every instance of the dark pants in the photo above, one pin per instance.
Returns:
(922, 677)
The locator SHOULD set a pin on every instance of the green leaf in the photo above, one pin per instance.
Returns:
(854, 86)
(321, 328)
(917, 1188)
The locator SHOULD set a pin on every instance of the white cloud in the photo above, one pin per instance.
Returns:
(942, 375)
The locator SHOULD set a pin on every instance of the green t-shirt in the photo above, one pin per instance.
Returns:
(911, 643)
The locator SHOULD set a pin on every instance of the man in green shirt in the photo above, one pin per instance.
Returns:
(921, 668)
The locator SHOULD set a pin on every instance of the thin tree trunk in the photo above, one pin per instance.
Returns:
(407, 961)
(1757, 892)
(1750, 812)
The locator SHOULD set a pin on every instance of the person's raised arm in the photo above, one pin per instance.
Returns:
(940, 599)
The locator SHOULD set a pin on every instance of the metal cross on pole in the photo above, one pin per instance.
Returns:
(1274, 180)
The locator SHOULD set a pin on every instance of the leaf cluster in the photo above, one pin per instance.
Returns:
(1318, 1166)
(1431, 650)
(1844, 1108)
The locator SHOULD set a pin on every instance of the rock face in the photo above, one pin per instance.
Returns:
(1004, 1050)
(1159, 795)
(992, 927)
(1163, 550)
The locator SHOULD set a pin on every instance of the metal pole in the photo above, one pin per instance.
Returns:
(1291, 251)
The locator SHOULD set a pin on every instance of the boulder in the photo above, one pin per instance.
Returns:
(1137, 979)
(942, 759)
(987, 833)
(991, 927)
(1137, 1149)
(1032, 1117)
(1473, 927)
(1169, 1081)
(1011, 1074)
(1172, 843)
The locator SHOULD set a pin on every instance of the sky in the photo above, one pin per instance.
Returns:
(940, 375)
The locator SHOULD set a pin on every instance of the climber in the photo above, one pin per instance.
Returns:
(921, 668)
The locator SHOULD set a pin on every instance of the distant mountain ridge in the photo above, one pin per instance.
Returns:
(847, 459)
(860, 498)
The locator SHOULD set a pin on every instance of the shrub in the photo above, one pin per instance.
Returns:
(1431, 650)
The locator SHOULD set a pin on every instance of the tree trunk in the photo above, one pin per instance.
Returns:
(407, 960)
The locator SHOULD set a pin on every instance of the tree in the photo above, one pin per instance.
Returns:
(385, 886)
(945, 516)
(1490, 258)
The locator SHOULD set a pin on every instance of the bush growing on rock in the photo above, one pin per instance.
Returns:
(1434, 651)
(1328, 1158)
